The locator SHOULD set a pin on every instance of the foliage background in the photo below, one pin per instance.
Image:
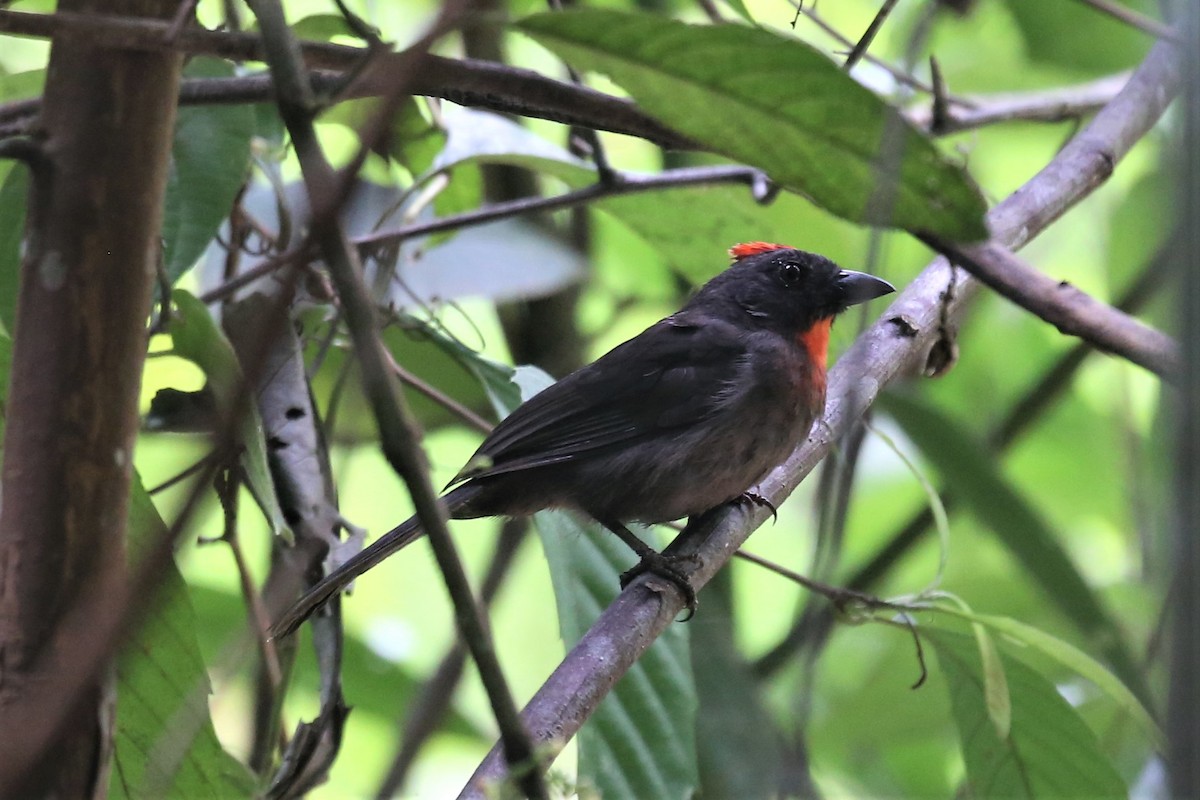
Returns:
(1091, 468)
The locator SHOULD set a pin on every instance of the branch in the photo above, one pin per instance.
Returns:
(861, 46)
(1067, 308)
(484, 84)
(1053, 105)
(626, 183)
(1183, 600)
(896, 346)
(463, 81)
(898, 74)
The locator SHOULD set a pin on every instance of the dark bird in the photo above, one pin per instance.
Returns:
(686, 416)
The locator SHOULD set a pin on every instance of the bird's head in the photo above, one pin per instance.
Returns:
(786, 290)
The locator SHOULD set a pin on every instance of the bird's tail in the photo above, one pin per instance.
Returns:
(394, 540)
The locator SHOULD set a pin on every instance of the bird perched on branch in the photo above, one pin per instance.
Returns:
(686, 416)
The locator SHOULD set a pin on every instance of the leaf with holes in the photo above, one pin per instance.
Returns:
(197, 338)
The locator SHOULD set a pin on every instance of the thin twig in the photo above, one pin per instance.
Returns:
(1135, 19)
(901, 76)
(860, 47)
(841, 598)
(626, 183)
(227, 483)
(1051, 105)
(182, 475)
(438, 396)
(504, 88)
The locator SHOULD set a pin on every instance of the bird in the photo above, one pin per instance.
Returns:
(687, 416)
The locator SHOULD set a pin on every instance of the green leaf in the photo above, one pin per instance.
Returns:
(738, 744)
(416, 141)
(641, 740)
(22, 85)
(322, 27)
(971, 472)
(210, 161)
(197, 338)
(1049, 751)
(995, 684)
(13, 199)
(778, 104)
(1077, 37)
(742, 11)
(6, 347)
(1073, 659)
(689, 226)
(165, 743)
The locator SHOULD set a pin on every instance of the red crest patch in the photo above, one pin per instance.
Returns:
(740, 251)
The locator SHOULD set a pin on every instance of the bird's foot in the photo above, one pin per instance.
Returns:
(666, 566)
(756, 499)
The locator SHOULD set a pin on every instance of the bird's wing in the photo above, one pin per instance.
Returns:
(673, 374)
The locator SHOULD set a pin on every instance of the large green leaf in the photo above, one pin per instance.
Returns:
(1049, 751)
(968, 469)
(640, 742)
(1073, 659)
(210, 159)
(775, 103)
(737, 743)
(1077, 37)
(197, 338)
(165, 743)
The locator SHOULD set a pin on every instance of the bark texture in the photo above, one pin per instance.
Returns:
(80, 339)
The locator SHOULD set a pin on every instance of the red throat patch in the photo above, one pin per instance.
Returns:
(740, 251)
(815, 341)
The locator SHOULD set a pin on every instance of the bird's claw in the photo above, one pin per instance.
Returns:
(756, 499)
(665, 567)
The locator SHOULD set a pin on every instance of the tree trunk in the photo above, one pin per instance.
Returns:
(80, 339)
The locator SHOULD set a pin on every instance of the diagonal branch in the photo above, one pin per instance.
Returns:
(896, 346)
(1066, 307)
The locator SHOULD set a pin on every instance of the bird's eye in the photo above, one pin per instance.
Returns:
(789, 274)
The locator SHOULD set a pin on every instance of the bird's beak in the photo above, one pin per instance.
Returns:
(859, 287)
